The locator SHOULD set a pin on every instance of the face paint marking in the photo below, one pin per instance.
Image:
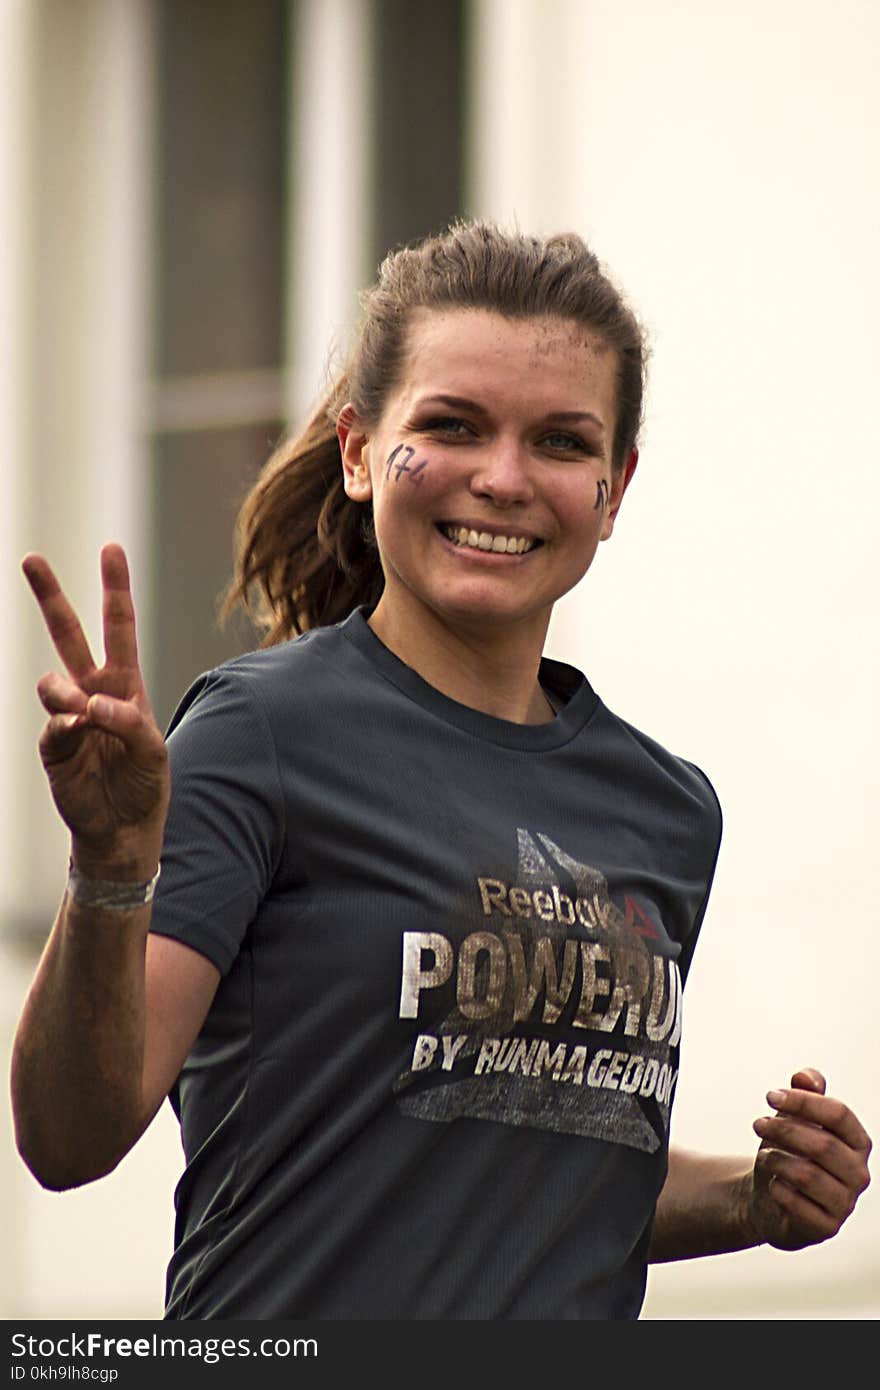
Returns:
(601, 495)
(391, 457)
(404, 466)
(413, 474)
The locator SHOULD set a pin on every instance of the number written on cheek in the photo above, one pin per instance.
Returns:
(402, 466)
(601, 495)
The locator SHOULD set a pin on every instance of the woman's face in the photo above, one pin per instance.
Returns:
(490, 470)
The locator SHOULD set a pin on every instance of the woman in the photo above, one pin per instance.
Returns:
(412, 974)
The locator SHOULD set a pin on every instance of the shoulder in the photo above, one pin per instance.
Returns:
(687, 775)
(266, 684)
(661, 786)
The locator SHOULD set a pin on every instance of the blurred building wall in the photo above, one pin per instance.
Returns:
(722, 160)
(76, 192)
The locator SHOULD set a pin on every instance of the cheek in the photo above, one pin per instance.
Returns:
(585, 507)
(602, 498)
(408, 477)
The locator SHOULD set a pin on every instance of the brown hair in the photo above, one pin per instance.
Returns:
(301, 543)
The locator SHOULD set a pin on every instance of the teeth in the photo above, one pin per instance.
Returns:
(482, 540)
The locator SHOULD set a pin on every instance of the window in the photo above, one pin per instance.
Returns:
(217, 400)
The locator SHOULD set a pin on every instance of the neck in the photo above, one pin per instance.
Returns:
(495, 672)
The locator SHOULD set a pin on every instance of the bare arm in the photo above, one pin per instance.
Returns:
(703, 1208)
(112, 1012)
(105, 1030)
(803, 1185)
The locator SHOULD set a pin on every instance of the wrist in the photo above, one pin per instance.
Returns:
(114, 895)
(746, 1212)
(135, 863)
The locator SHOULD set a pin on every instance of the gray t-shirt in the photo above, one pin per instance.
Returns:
(436, 1078)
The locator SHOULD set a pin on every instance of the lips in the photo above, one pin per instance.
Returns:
(499, 542)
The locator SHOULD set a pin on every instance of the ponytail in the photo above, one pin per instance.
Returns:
(305, 554)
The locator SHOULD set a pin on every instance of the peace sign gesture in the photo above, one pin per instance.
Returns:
(102, 750)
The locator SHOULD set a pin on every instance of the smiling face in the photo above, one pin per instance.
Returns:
(489, 472)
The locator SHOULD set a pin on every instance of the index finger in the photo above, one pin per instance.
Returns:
(64, 626)
(824, 1111)
(120, 639)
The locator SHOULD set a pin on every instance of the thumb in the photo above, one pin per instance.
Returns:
(809, 1079)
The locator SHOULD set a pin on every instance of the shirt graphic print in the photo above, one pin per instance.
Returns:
(567, 1012)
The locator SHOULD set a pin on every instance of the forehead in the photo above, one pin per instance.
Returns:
(542, 363)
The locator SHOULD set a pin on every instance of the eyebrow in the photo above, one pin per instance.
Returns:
(462, 403)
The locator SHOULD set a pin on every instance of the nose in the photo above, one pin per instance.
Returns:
(502, 475)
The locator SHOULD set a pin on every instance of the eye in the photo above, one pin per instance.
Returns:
(450, 425)
(561, 442)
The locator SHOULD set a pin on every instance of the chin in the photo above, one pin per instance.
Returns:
(489, 611)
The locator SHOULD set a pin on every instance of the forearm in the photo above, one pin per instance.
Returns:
(703, 1208)
(78, 1055)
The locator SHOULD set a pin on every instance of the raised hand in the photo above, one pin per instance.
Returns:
(811, 1167)
(102, 750)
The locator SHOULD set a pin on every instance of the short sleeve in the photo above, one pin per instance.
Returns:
(714, 822)
(225, 828)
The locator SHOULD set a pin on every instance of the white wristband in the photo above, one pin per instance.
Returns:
(117, 897)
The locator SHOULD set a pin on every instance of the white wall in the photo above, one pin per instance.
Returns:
(74, 188)
(14, 197)
(722, 160)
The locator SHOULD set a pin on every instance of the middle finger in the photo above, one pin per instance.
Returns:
(120, 641)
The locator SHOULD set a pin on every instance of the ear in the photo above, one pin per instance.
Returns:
(353, 446)
(619, 484)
